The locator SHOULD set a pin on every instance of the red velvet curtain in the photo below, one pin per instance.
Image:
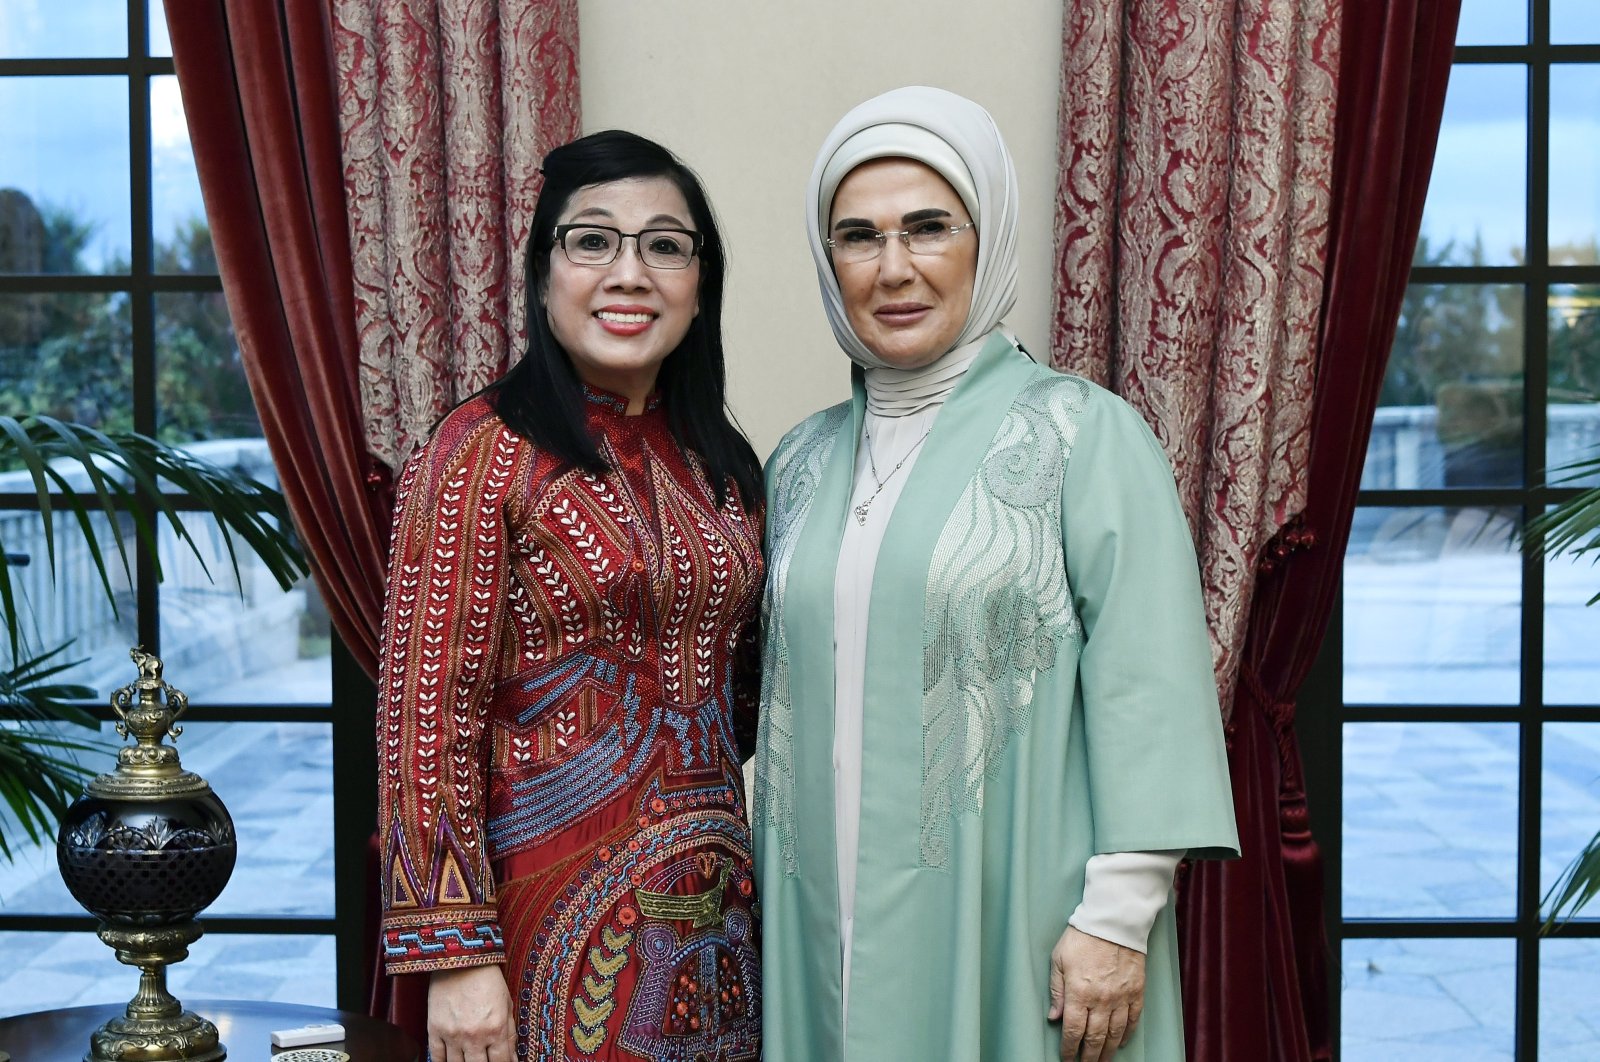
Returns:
(1255, 954)
(257, 78)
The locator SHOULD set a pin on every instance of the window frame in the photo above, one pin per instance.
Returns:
(1322, 712)
(353, 767)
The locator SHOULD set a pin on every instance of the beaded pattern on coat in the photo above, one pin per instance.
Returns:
(995, 617)
(794, 471)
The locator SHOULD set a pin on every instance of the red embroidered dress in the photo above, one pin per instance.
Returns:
(564, 697)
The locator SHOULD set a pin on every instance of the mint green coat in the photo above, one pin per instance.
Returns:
(1038, 690)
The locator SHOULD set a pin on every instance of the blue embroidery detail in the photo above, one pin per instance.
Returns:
(413, 942)
(568, 791)
(565, 676)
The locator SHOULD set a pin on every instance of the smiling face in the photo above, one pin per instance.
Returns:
(907, 308)
(618, 322)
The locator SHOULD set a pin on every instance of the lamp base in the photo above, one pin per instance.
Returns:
(184, 1035)
(155, 1027)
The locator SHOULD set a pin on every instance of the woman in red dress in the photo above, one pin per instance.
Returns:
(568, 686)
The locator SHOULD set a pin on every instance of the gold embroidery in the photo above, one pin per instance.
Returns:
(703, 909)
(592, 1016)
(607, 960)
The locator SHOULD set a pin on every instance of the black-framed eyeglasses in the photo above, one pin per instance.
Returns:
(599, 245)
(862, 244)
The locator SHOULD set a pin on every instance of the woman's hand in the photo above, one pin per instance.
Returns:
(1097, 992)
(469, 1016)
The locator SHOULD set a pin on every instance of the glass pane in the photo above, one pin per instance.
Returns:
(1571, 631)
(1477, 198)
(1571, 808)
(48, 29)
(69, 355)
(72, 607)
(1574, 22)
(1574, 410)
(1569, 983)
(239, 641)
(182, 237)
(1428, 1000)
(1450, 411)
(201, 391)
(160, 40)
(48, 970)
(64, 201)
(277, 782)
(1432, 607)
(1430, 820)
(1575, 162)
(1492, 22)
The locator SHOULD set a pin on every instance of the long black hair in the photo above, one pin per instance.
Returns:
(541, 397)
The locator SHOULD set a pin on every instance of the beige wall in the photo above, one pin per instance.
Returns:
(745, 91)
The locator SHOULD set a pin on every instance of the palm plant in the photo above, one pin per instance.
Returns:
(124, 479)
(1572, 528)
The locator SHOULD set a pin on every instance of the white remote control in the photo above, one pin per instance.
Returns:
(308, 1034)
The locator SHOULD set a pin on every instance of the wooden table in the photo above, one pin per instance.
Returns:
(246, 1028)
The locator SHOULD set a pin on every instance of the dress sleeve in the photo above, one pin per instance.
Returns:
(1158, 772)
(442, 614)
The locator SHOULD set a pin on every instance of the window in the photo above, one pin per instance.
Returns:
(1452, 729)
(112, 314)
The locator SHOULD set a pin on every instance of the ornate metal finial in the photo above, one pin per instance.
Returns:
(147, 710)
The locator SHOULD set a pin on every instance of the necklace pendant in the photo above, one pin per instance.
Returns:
(861, 513)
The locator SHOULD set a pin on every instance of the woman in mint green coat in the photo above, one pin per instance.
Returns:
(989, 728)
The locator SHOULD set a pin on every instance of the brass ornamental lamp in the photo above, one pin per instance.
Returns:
(145, 849)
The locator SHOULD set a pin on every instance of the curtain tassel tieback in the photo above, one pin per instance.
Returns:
(1293, 537)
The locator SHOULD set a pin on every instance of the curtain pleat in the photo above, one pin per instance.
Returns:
(1191, 223)
(257, 84)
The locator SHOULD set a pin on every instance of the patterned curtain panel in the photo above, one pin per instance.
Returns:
(446, 109)
(1197, 152)
(1196, 138)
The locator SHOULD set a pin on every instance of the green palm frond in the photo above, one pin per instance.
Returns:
(38, 787)
(1578, 884)
(1573, 527)
(40, 775)
(85, 472)
(124, 479)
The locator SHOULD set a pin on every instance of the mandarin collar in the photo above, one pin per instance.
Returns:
(602, 401)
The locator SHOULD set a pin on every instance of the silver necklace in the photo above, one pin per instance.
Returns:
(882, 481)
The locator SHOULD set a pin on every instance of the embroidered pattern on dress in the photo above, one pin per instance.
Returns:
(433, 940)
(795, 473)
(657, 857)
(595, 1004)
(691, 988)
(998, 606)
(521, 633)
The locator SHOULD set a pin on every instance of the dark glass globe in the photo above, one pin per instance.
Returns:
(146, 862)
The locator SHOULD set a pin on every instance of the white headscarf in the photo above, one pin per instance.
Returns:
(959, 140)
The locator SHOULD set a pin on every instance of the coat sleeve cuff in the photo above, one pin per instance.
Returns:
(448, 939)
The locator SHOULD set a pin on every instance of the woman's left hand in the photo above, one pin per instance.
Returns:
(1097, 993)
